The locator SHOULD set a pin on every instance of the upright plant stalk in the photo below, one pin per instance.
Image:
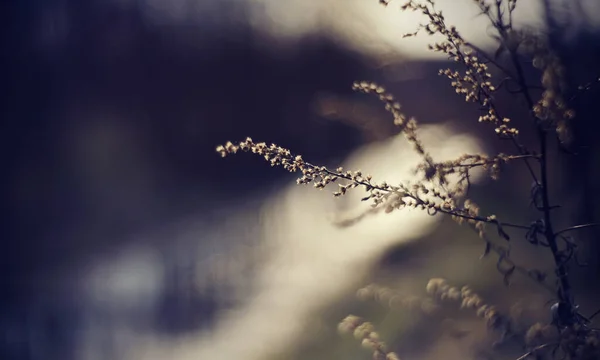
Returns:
(564, 292)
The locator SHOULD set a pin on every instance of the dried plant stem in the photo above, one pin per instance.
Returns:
(564, 292)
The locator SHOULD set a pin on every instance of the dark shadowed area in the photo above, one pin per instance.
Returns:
(110, 128)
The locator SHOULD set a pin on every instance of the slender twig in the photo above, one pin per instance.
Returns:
(594, 314)
(587, 87)
(491, 161)
(533, 351)
(576, 227)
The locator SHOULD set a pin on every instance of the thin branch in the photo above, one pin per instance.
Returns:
(370, 185)
(534, 350)
(489, 162)
(576, 227)
(594, 315)
(587, 87)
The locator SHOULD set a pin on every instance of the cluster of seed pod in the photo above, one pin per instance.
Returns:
(440, 289)
(364, 331)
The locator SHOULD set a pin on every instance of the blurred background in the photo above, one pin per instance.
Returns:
(125, 236)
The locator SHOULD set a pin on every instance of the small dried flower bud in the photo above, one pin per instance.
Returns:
(373, 336)
(466, 291)
(363, 329)
(453, 293)
(392, 356)
(349, 324)
(434, 285)
(344, 328)
(367, 343)
(482, 310)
